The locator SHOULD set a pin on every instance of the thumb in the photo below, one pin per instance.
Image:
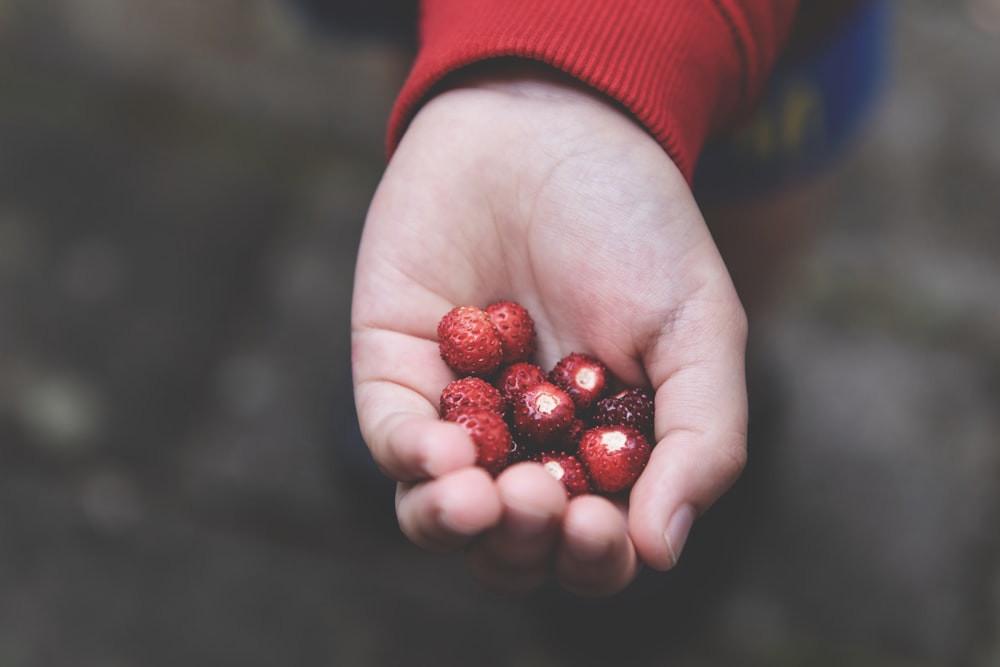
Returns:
(698, 370)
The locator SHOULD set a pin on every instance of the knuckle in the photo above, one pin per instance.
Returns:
(734, 462)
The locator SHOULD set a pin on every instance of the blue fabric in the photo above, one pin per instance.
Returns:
(811, 110)
(394, 21)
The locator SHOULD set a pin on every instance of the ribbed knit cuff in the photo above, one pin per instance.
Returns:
(683, 68)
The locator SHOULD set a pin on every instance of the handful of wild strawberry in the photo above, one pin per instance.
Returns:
(591, 435)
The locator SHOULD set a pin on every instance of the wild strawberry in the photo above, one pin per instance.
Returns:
(515, 378)
(517, 330)
(614, 456)
(471, 392)
(632, 407)
(468, 341)
(583, 377)
(567, 469)
(489, 433)
(542, 414)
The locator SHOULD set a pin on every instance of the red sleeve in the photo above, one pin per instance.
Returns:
(683, 68)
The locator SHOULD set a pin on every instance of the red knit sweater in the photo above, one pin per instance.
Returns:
(683, 68)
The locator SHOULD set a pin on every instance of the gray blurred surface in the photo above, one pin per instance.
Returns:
(182, 186)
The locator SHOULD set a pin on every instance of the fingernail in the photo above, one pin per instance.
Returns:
(677, 531)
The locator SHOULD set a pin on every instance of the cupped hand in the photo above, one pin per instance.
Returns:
(529, 188)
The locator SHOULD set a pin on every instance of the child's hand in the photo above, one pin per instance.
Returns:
(533, 190)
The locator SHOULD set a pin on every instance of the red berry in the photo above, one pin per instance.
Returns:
(489, 433)
(517, 330)
(632, 407)
(614, 456)
(567, 469)
(583, 377)
(543, 414)
(468, 341)
(471, 392)
(515, 378)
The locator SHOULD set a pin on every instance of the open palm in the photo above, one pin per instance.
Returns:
(533, 190)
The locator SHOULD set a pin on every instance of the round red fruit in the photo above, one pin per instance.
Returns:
(516, 328)
(614, 457)
(514, 379)
(543, 414)
(567, 469)
(468, 341)
(583, 377)
(490, 435)
(471, 392)
(632, 407)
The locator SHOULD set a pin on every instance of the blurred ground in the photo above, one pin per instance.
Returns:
(181, 189)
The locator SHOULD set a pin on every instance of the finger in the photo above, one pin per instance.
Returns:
(516, 556)
(447, 513)
(596, 557)
(409, 446)
(398, 381)
(701, 421)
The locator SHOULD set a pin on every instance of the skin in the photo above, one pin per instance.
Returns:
(532, 189)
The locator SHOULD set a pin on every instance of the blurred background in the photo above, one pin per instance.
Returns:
(182, 186)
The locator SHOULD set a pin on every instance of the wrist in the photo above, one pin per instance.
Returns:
(522, 79)
(523, 105)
